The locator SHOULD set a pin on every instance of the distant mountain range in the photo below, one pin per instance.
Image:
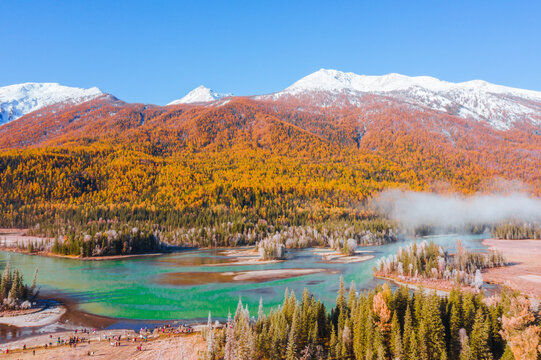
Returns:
(498, 106)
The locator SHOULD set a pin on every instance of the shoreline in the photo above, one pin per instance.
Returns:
(51, 312)
(168, 343)
(63, 317)
(441, 286)
(75, 257)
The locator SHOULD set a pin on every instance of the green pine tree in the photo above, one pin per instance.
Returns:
(468, 311)
(292, 350)
(465, 350)
(479, 338)
(454, 328)
(408, 339)
(396, 338)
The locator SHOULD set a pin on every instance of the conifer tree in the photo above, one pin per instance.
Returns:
(379, 345)
(455, 324)
(5, 285)
(339, 316)
(358, 329)
(432, 331)
(408, 336)
(396, 338)
(14, 292)
(333, 342)
(480, 348)
(352, 295)
(230, 341)
(465, 350)
(260, 313)
(209, 336)
(238, 312)
(314, 337)
(468, 311)
(34, 282)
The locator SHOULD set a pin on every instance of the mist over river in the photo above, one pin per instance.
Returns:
(134, 288)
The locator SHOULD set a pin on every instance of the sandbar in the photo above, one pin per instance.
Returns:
(252, 276)
(523, 272)
(35, 317)
(337, 257)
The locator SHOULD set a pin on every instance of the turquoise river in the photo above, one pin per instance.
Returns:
(134, 288)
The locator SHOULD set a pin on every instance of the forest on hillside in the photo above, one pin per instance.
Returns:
(233, 175)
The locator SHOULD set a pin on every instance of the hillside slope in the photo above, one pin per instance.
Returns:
(244, 164)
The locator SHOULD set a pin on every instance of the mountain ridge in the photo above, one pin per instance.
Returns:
(20, 99)
(498, 106)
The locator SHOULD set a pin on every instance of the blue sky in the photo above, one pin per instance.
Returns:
(156, 51)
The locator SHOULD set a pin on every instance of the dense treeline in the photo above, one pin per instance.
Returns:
(191, 200)
(336, 235)
(517, 231)
(381, 324)
(108, 243)
(14, 293)
(222, 216)
(431, 261)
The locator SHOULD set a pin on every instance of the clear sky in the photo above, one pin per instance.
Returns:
(156, 51)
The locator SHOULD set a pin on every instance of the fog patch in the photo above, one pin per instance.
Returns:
(415, 209)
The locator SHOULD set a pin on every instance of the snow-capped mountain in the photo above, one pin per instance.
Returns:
(200, 94)
(21, 99)
(500, 106)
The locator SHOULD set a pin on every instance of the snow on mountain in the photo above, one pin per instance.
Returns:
(21, 99)
(500, 106)
(200, 94)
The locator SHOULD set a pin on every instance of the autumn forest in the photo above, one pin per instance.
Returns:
(232, 174)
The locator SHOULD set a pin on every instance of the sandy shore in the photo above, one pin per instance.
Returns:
(339, 258)
(168, 346)
(524, 271)
(49, 314)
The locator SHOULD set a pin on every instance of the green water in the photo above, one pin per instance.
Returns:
(131, 288)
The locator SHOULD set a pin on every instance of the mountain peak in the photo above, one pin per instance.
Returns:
(334, 80)
(200, 94)
(20, 99)
(499, 106)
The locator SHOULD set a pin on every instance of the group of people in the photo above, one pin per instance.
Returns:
(169, 329)
(72, 341)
